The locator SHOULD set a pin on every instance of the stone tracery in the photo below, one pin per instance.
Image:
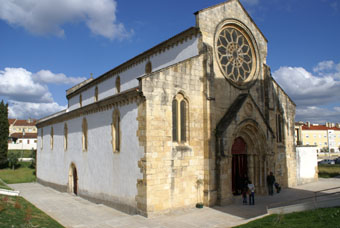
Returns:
(235, 54)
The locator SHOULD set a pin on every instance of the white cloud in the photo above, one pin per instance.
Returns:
(316, 114)
(48, 16)
(17, 84)
(324, 65)
(23, 110)
(307, 89)
(46, 76)
(315, 94)
(328, 68)
(28, 94)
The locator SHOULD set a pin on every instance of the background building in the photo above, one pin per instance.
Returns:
(22, 134)
(325, 137)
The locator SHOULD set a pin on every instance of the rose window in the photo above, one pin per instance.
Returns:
(235, 54)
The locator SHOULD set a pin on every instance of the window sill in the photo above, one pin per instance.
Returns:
(182, 147)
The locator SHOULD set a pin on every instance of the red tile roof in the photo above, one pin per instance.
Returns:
(26, 136)
(319, 128)
(11, 121)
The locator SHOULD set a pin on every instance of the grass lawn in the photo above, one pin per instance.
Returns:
(323, 217)
(23, 174)
(17, 212)
(327, 171)
(25, 153)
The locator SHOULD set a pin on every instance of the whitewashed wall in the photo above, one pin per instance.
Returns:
(128, 78)
(73, 103)
(307, 164)
(102, 174)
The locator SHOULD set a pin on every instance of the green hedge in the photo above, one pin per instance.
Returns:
(25, 153)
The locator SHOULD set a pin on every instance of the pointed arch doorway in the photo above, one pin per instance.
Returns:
(242, 152)
(239, 165)
(73, 180)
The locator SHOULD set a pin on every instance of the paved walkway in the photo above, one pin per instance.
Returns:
(75, 212)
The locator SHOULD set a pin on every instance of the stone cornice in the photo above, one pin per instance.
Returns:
(78, 86)
(123, 98)
(158, 49)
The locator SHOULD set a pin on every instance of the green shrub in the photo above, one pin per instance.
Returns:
(34, 157)
(13, 160)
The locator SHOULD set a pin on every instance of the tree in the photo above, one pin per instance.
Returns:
(34, 157)
(13, 160)
(4, 132)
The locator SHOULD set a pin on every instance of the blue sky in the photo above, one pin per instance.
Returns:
(48, 46)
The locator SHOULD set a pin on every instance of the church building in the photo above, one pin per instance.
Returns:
(182, 123)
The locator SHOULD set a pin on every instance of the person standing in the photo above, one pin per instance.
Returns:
(251, 188)
(270, 183)
(245, 192)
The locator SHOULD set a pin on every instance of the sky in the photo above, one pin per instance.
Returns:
(47, 46)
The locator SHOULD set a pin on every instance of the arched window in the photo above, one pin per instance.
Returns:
(279, 128)
(118, 84)
(179, 119)
(84, 135)
(148, 67)
(115, 131)
(51, 138)
(96, 94)
(80, 100)
(65, 136)
(174, 120)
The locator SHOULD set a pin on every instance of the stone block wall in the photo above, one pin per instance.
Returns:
(218, 87)
(280, 157)
(285, 168)
(172, 169)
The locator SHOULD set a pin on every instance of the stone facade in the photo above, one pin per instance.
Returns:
(206, 118)
(172, 169)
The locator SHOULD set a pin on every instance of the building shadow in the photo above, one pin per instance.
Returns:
(286, 197)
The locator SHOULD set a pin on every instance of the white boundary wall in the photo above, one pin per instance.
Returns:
(307, 164)
(26, 144)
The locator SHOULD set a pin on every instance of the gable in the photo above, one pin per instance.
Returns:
(239, 49)
(225, 4)
(243, 108)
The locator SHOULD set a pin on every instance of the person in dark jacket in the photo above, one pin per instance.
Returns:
(270, 183)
